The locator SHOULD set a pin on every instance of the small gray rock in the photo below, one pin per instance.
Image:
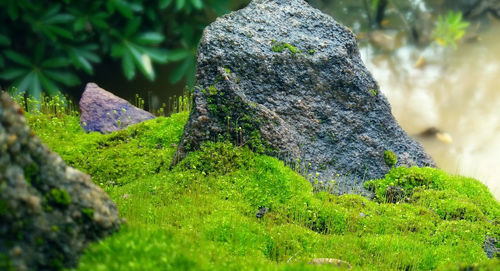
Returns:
(287, 80)
(261, 212)
(49, 212)
(104, 112)
(490, 247)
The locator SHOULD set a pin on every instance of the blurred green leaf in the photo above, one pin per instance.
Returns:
(124, 7)
(35, 88)
(67, 78)
(48, 85)
(128, 65)
(150, 38)
(198, 4)
(181, 71)
(24, 82)
(57, 62)
(156, 54)
(18, 58)
(164, 3)
(60, 19)
(39, 52)
(179, 54)
(141, 60)
(179, 4)
(132, 27)
(11, 74)
(4, 40)
(83, 56)
(99, 20)
(117, 50)
(80, 24)
(450, 29)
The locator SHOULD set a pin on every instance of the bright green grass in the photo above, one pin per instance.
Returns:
(201, 214)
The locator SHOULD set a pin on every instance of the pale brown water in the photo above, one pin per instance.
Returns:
(458, 92)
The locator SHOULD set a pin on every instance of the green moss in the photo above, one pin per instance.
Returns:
(449, 205)
(407, 179)
(31, 173)
(201, 215)
(373, 92)
(57, 197)
(212, 90)
(390, 158)
(279, 47)
(55, 228)
(88, 213)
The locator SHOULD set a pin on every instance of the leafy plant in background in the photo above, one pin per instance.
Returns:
(450, 29)
(46, 45)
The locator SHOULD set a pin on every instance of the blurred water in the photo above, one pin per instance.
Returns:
(457, 92)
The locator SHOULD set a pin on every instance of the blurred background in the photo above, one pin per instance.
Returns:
(437, 61)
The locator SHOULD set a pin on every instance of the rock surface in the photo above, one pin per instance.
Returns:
(49, 212)
(288, 81)
(104, 112)
(490, 247)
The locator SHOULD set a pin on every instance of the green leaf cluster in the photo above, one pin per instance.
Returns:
(450, 29)
(48, 45)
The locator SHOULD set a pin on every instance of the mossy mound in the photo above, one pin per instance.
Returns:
(201, 215)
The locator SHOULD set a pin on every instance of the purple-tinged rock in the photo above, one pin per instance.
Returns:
(105, 112)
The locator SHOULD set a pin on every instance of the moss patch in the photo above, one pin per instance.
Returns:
(201, 215)
(390, 158)
(279, 47)
(57, 197)
(88, 213)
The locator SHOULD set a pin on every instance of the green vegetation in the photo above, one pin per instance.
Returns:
(390, 158)
(49, 44)
(88, 212)
(450, 29)
(59, 197)
(279, 47)
(201, 215)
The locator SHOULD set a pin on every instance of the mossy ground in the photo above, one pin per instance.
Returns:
(201, 214)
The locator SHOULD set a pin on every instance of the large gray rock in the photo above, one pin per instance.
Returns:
(287, 80)
(104, 112)
(49, 212)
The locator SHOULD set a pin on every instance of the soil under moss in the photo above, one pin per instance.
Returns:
(201, 215)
